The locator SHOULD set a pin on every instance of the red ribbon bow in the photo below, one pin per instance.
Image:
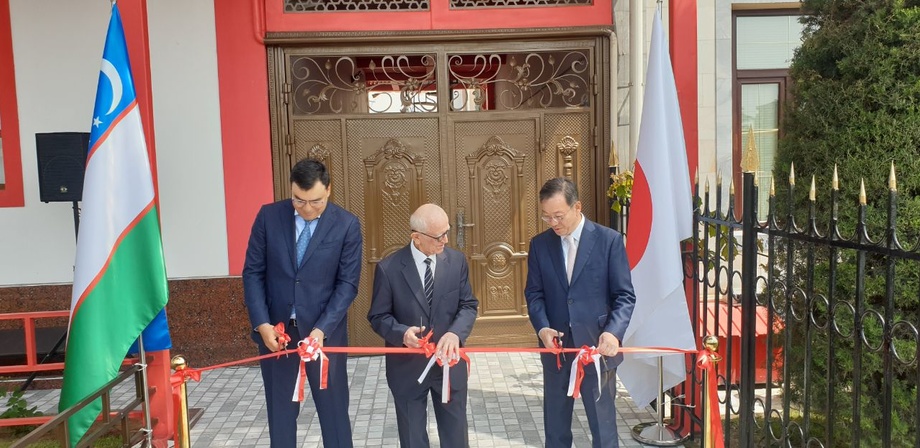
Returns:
(310, 350)
(285, 338)
(584, 358)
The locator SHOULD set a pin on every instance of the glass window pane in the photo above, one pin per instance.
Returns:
(520, 81)
(322, 85)
(766, 42)
(760, 115)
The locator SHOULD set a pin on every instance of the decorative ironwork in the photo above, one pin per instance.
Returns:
(319, 152)
(821, 313)
(376, 84)
(470, 4)
(355, 5)
(537, 80)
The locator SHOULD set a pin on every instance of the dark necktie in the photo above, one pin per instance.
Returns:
(303, 240)
(429, 282)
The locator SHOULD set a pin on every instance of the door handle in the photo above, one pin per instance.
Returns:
(461, 229)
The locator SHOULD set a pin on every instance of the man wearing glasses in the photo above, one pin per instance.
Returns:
(579, 293)
(302, 268)
(424, 287)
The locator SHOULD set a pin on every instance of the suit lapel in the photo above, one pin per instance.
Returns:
(440, 280)
(287, 222)
(325, 223)
(410, 272)
(555, 252)
(585, 246)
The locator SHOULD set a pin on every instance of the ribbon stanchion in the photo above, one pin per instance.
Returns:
(713, 437)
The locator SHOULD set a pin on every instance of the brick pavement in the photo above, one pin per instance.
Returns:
(505, 407)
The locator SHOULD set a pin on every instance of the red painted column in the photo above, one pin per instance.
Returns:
(11, 195)
(134, 19)
(244, 121)
(683, 44)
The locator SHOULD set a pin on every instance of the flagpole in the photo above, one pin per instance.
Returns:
(656, 433)
(142, 361)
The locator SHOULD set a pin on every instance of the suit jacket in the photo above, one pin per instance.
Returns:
(600, 297)
(399, 303)
(321, 289)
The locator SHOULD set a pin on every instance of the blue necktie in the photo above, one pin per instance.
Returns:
(303, 240)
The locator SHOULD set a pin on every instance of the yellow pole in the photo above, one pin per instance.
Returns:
(711, 343)
(182, 435)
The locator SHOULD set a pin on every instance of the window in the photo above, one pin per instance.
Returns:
(764, 44)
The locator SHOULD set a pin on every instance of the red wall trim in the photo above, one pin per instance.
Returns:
(683, 43)
(243, 80)
(244, 120)
(11, 195)
(440, 17)
(134, 20)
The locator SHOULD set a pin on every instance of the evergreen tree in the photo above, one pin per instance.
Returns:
(855, 104)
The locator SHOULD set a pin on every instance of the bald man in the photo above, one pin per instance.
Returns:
(425, 286)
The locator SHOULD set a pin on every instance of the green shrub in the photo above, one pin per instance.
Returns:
(856, 104)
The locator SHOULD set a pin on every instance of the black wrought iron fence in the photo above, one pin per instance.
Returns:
(817, 317)
(817, 320)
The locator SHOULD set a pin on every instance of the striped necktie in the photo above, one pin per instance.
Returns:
(429, 282)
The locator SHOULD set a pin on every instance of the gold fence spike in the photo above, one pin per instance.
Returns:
(811, 192)
(750, 161)
(835, 183)
(792, 173)
(862, 191)
(772, 187)
(892, 180)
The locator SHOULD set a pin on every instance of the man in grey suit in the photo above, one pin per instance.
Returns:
(579, 292)
(425, 285)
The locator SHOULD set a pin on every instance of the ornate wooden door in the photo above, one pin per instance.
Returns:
(475, 132)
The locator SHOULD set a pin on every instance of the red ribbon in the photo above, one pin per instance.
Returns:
(585, 357)
(558, 350)
(706, 363)
(310, 350)
(285, 338)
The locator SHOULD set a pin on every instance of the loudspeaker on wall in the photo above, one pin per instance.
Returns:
(61, 163)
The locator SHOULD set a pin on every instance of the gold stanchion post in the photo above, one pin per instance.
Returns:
(711, 343)
(182, 434)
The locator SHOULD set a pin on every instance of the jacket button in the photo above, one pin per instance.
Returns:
(571, 301)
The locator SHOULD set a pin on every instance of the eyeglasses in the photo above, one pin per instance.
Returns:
(313, 203)
(558, 218)
(440, 237)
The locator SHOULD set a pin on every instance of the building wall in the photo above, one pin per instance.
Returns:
(57, 46)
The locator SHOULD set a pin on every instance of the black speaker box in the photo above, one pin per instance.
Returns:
(61, 163)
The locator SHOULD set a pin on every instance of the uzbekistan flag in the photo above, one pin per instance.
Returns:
(120, 275)
(660, 217)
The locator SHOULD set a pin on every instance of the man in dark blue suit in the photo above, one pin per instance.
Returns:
(302, 268)
(579, 292)
(425, 285)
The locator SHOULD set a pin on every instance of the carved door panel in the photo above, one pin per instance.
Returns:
(381, 171)
(496, 198)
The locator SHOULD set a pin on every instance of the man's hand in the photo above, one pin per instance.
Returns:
(410, 338)
(547, 335)
(608, 344)
(269, 337)
(318, 335)
(448, 347)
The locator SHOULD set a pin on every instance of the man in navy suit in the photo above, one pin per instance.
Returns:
(579, 292)
(302, 268)
(425, 285)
